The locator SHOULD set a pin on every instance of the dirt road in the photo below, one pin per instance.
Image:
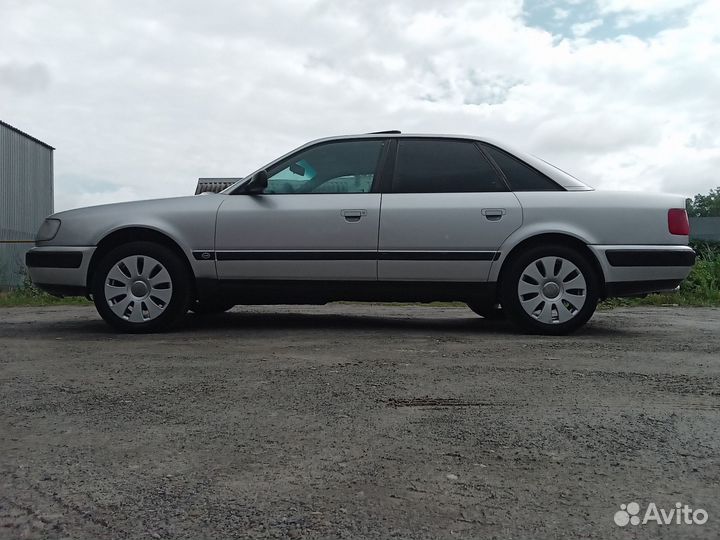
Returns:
(356, 421)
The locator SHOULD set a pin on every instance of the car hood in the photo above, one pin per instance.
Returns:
(140, 206)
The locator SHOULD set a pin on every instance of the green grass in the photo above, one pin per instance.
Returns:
(30, 296)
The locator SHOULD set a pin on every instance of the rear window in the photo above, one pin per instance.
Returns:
(443, 166)
(520, 176)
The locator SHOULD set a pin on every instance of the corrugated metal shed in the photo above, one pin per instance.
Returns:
(26, 197)
(213, 185)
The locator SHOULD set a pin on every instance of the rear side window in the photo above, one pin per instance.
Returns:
(443, 166)
(520, 176)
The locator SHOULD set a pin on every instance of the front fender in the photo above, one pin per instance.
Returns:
(189, 221)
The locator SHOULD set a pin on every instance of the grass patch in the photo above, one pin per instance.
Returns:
(27, 295)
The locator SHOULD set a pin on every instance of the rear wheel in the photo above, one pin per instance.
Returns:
(141, 287)
(550, 290)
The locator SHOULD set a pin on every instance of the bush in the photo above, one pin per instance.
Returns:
(703, 283)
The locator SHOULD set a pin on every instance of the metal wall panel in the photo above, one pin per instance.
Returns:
(26, 198)
(705, 228)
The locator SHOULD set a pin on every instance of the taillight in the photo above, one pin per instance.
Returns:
(678, 221)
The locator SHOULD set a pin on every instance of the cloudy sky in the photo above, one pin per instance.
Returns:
(143, 97)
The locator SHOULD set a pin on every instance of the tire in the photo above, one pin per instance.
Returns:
(487, 311)
(550, 290)
(141, 287)
(209, 308)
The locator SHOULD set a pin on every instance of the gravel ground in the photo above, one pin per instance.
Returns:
(356, 421)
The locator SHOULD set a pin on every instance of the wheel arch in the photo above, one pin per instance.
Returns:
(133, 234)
(552, 238)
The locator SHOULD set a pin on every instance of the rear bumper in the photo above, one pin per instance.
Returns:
(60, 270)
(636, 270)
(639, 288)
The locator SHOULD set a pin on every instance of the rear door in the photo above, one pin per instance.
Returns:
(445, 213)
(318, 218)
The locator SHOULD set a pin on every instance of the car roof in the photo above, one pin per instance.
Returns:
(394, 134)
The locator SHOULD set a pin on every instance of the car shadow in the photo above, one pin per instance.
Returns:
(254, 323)
(338, 321)
(461, 324)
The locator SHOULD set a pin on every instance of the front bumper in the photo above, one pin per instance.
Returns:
(636, 270)
(60, 270)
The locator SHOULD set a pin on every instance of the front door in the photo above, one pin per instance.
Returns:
(446, 214)
(317, 219)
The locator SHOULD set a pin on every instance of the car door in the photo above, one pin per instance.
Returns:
(445, 213)
(317, 219)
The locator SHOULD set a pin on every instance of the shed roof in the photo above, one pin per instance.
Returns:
(19, 131)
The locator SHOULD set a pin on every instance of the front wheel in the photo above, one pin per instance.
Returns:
(550, 290)
(141, 287)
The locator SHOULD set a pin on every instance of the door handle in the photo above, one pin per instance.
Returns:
(493, 214)
(353, 216)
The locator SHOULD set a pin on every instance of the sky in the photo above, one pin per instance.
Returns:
(141, 98)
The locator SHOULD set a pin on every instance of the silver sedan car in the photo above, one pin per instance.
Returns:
(379, 217)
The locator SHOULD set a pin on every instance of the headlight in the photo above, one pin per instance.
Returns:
(48, 230)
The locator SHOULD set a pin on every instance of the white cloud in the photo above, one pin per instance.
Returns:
(637, 11)
(650, 7)
(23, 79)
(582, 29)
(145, 99)
(560, 14)
(90, 197)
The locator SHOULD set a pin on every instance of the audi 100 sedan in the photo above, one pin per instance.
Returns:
(379, 217)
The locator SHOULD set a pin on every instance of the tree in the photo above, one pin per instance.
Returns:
(705, 205)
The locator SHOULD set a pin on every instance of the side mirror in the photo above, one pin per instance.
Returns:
(257, 184)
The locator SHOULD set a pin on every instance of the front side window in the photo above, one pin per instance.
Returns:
(520, 176)
(443, 166)
(337, 167)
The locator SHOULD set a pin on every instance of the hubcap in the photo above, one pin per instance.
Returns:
(552, 290)
(138, 288)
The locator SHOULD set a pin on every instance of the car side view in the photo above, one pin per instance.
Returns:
(378, 217)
